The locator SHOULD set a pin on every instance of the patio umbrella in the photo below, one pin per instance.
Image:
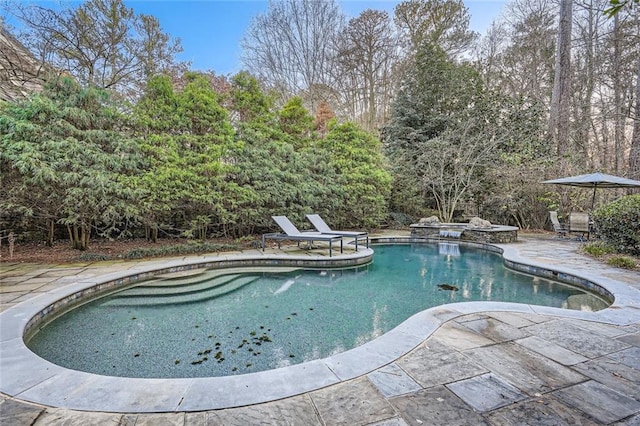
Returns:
(595, 181)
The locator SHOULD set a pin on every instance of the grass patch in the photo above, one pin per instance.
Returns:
(608, 254)
(625, 262)
(598, 248)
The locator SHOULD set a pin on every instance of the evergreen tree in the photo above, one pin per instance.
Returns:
(65, 159)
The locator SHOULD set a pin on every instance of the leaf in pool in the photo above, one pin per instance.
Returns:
(253, 333)
(292, 356)
(176, 362)
(197, 326)
(136, 355)
(196, 362)
(218, 355)
(294, 314)
(233, 351)
(249, 365)
(445, 286)
(206, 351)
(234, 369)
(133, 318)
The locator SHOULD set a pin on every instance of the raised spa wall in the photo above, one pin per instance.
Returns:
(497, 234)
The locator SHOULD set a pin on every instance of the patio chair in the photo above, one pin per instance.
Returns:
(323, 228)
(292, 233)
(579, 223)
(557, 226)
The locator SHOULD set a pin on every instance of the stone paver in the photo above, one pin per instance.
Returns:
(540, 411)
(393, 381)
(568, 335)
(293, 411)
(430, 367)
(493, 367)
(525, 369)
(436, 406)
(357, 402)
(629, 357)
(617, 376)
(551, 350)
(486, 392)
(495, 330)
(599, 401)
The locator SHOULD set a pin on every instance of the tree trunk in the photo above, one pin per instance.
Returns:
(634, 154)
(51, 227)
(79, 236)
(558, 130)
(618, 115)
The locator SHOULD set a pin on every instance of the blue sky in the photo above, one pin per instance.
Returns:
(211, 30)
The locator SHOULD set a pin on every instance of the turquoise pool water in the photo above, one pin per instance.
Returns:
(218, 323)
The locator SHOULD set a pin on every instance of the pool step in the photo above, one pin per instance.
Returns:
(155, 297)
(193, 277)
(162, 288)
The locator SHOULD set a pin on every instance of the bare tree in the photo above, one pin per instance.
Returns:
(489, 52)
(101, 43)
(367, 53)
(20, 72)
(516, 54)
(290, 47)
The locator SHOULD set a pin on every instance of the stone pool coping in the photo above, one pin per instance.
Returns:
(31, 378)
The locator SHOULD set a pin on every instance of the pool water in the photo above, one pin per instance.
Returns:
(219, 324)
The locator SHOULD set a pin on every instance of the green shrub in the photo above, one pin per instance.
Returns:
(598, 248)
(399, 220)
(622, 262)
(618, 224)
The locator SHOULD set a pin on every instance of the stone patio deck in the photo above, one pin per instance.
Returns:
(488, 363)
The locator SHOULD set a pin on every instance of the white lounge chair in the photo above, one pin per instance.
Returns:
(322, 227)
(293, 234)
(557, 226)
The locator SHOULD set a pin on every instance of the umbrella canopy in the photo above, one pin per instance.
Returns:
(595, 181)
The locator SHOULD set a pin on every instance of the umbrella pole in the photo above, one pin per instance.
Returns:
(593, 199)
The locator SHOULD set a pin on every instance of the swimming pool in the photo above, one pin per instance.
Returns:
(217, 323)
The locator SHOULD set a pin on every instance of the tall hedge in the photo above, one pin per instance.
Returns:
(618, 224)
